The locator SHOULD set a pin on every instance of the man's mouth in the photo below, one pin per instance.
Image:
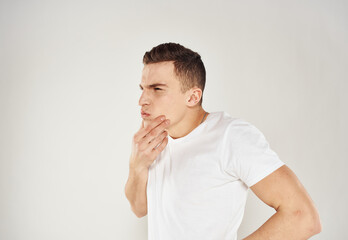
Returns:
(144, 114)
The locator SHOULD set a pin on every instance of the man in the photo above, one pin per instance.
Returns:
(191, 172)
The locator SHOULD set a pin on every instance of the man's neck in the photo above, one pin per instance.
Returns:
(189, 122)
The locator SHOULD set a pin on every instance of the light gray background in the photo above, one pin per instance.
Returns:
(69, 75)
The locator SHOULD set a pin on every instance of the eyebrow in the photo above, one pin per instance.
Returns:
(154, 85)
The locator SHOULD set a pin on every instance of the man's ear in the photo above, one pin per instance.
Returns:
(193, 96)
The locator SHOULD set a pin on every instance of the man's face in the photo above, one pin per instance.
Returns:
(161, 94)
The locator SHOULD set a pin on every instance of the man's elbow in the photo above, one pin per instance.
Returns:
(139, 214)
(315, 223)
(310, 222)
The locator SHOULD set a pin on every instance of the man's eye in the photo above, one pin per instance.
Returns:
(158, 89)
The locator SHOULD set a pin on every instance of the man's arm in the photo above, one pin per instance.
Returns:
(147, 144)
(135, 191)
(296, 216)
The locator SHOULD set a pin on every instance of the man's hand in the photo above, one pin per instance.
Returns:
(148, 142)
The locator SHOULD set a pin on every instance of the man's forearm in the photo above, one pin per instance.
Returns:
(135, 191)
(295, 225)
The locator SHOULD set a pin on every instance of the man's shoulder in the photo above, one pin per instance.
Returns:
(234, 123)
(237, 127)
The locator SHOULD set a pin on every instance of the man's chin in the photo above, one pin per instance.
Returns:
(147, 121)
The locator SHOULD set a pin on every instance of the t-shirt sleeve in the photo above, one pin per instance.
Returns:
(247, 155)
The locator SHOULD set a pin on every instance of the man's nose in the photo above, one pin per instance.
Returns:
(144, 99)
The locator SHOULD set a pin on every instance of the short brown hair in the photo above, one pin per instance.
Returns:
(188, 65)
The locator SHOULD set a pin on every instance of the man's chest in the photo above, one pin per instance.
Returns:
(189, 172)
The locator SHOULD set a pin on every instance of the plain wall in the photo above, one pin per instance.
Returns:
(69, 75)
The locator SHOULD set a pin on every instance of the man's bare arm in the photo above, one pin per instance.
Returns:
(148, 142)
(135, 191)
(296, 216)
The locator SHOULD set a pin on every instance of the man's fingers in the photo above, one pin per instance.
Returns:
(154, 144)
(156, 131)
(161, 146)
(154, 123)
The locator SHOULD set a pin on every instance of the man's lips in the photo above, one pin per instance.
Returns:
(144, 114)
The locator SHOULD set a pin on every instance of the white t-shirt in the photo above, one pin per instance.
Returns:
(197, 186)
